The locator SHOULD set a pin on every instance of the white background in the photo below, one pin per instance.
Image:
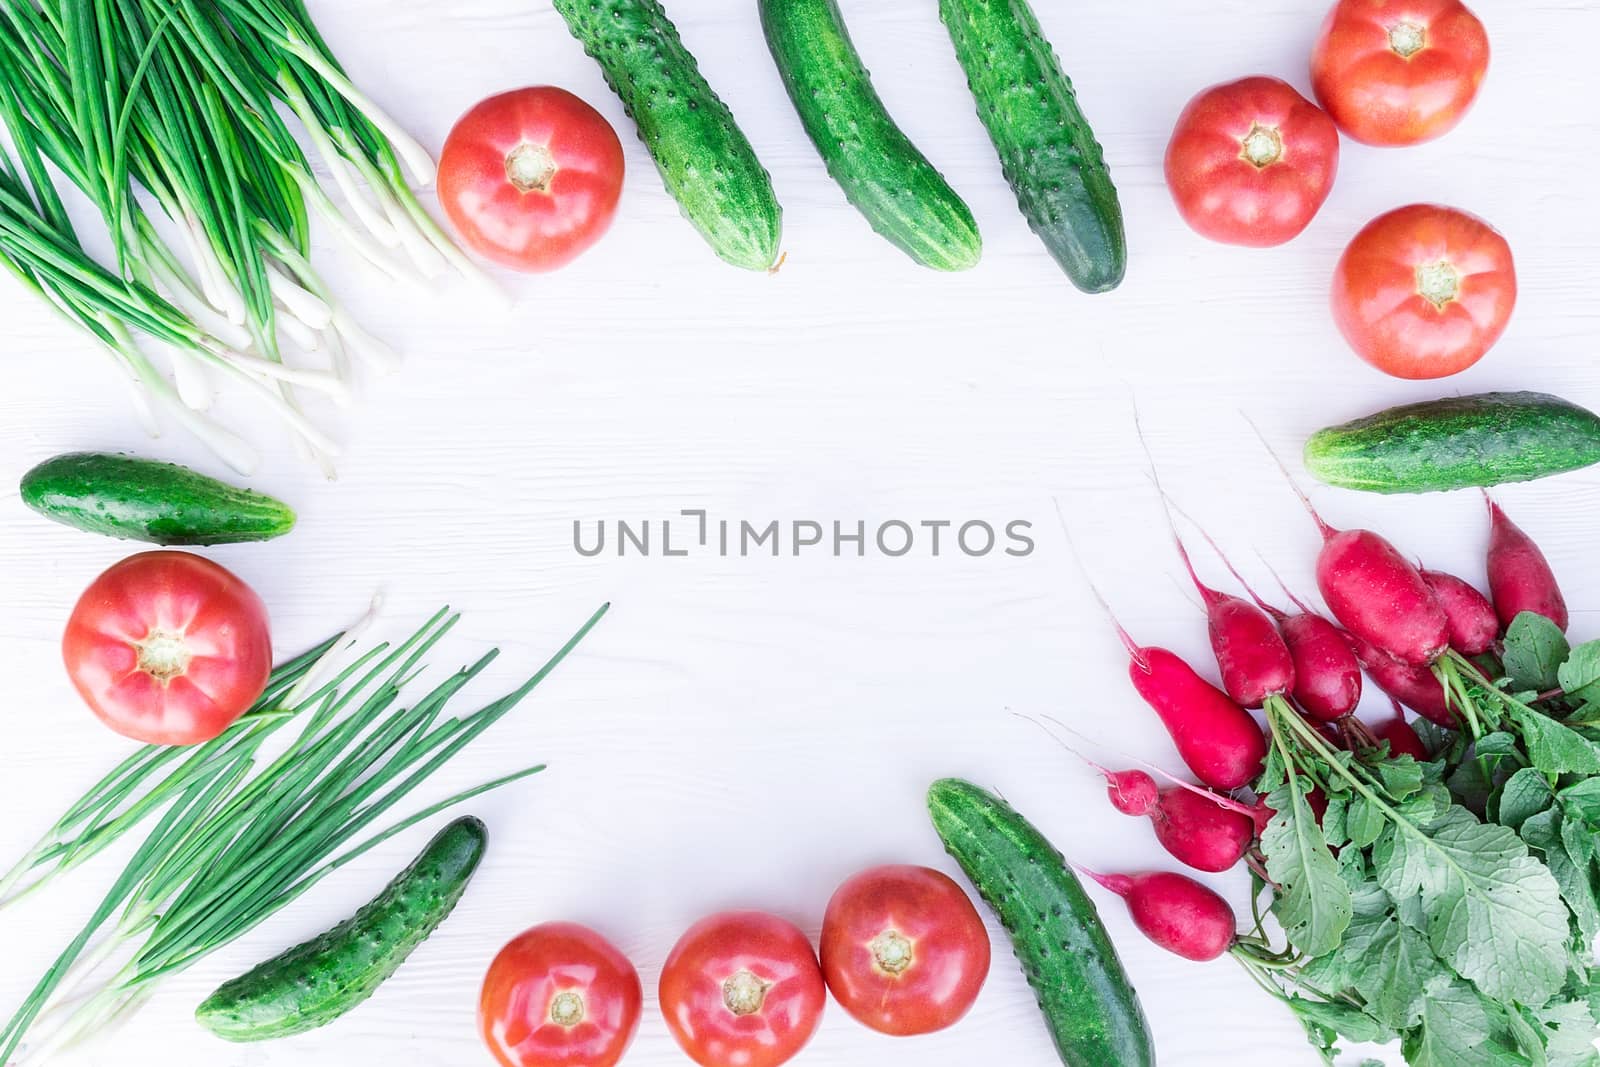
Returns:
(748, 732)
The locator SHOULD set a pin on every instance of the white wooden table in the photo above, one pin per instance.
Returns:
(749, 731)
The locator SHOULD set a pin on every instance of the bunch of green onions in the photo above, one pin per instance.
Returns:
(182, 107)
(233, 844)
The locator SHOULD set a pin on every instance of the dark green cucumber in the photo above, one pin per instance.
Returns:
(1047, 149)
(1457, 443)
(315, 983)
(1092, 1011)
(901, 194)
(143, 500)
(704, 158)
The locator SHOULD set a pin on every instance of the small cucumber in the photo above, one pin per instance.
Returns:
(905, 199)
(704, 158)
(143, 500)
(1457, 443)
(1092, 1011)
(1047, 150)
(315, 983)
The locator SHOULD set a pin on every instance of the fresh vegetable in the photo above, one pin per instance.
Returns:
(1415, 687)
(1200, 830)
(168, 648)
(142, 500)
(183, 111)
(1520, 578)
(1092, 1011)
(1131, 792)
(531, 178)
(313, 984)
(1399, 72)
(1220, 743)
(704, 158)
(560, 995)
(742, 989)
(881, 172)
(1474, 627)
(903, 950)
(1402, 738)
(1252, 162)
(1424, 291)
(235, 843)
(1457, 442)
(1047, 149)
(1327, 676)
(1175, 912)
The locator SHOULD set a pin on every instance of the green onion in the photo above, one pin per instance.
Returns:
(186, 101)
(233, 844)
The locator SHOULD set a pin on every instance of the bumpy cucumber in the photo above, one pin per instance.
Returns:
(901, 194)
(1047, 150)
(1457, 443)
(704, 158)
(315, 983)
(142, 500)
(1092, 1011)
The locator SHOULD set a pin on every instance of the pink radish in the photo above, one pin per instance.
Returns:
(1474, 627)
(1375, 592)
(1403, 740)
(1203, 830)
(1218, 740)
(1520, 578)
(1201, 833)
(1415, 687)
(1176, 912)
(1254, 661)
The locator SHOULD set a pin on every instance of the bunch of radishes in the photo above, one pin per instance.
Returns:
(1416, 633)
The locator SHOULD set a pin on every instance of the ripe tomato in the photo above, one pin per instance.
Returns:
(742, 989)
(1252, 162)
(1424, 291)
(168, 648)
(559, 995)
(531, 178)
(1399, 72)
(903, 950)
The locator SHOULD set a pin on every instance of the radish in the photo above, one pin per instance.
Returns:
(1218, 740)
(1403, 740)
(1201, 833)
(1176, 912)
(1415, 687)
(1520, 578)
(1254, 661)
(1375, 592)
(1131, 792)
(1474, 626)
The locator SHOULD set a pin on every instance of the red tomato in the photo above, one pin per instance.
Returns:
(1252, 162)
(742, 989)
(168, 648)
(559, 995)
(531, 178)
(903, 950)
(1425, 291)
(1399, 72)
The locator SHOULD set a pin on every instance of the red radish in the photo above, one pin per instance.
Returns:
(1175, 912)
(1415, 687)
(1327, 676)
(1375, 592)
(1520, 578)
(1403, 740)
(1218, 740)
(1201, 833)
(1254, 661)
(1131, 792)
(1474, 627)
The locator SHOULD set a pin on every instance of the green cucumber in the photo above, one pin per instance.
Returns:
(143, 500)
(1092, 1011)
(1457, 443)
(705, 160)
(1047, 149)
(904, 198)
(315, 983)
